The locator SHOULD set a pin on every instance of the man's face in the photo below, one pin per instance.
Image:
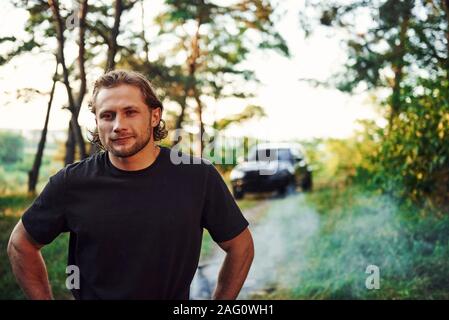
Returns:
(124, 121)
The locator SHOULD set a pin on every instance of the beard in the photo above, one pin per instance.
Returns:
(140, 142)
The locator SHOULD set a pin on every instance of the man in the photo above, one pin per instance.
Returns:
(135, 218)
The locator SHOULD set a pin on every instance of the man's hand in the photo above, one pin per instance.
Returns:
(239, 256)
(28, 264)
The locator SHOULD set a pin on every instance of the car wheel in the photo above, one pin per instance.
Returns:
(292, 186)
(282, 191)
(307, 183)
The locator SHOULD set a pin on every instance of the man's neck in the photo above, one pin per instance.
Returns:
(141, 160)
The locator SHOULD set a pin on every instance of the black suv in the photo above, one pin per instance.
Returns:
(272, 167)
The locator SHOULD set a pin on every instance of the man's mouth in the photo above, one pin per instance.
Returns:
(122, 139)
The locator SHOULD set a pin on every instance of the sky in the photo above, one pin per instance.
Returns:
(295, 109)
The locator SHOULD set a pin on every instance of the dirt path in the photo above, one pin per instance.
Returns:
(207, 272)
(281, 229)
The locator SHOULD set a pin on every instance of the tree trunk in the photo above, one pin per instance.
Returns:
(200, 119)
(93, 149)
(82, 89)
(74, 138)
(112, 45)
(398, 69)
(74, 127)
(70, 147)
(446, 11)
(191, 85)
(180, 118)
(33, 174)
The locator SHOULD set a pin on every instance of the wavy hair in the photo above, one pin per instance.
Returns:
(117, 77)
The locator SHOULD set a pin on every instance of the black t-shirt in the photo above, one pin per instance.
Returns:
(135, 234)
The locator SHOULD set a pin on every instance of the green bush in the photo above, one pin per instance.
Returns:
(413, 159)
(11, 147)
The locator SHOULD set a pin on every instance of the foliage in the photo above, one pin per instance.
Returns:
(338, 163)
(206, 45)
(11, 147)
(361, 228)
(405, 50)
(413, 159)
(319, 247)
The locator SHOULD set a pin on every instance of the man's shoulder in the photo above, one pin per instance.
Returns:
(183, 164)
(87, 166)
(185, 160)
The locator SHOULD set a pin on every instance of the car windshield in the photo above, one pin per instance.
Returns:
(270, 155)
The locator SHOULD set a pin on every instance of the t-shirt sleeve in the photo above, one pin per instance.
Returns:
(221, 215)
(45, 219)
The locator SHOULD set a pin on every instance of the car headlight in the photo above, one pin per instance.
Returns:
(237, 174)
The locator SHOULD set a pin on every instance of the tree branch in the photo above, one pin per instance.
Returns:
(81, 50)
(61, 58)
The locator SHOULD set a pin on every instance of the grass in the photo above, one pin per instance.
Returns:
(54, 254)
(358, 229)
(8, 286)
(207, 246)
(14, 176)
(13, 205)
(245, 204)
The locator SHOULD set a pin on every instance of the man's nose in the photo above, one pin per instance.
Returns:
(119, 123)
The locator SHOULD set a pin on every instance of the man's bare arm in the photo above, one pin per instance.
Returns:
(28, 264)
(239, 256)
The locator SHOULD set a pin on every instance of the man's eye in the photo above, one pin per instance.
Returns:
(130, 112)
(105, 116)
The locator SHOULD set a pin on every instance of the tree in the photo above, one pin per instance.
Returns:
(406, 49)
(104, 35)
(33, 174)
(377, 56)
(75, 136)
(214, 40)
(91, 36)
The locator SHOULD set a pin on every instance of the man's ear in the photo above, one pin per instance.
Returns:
(155, 116)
